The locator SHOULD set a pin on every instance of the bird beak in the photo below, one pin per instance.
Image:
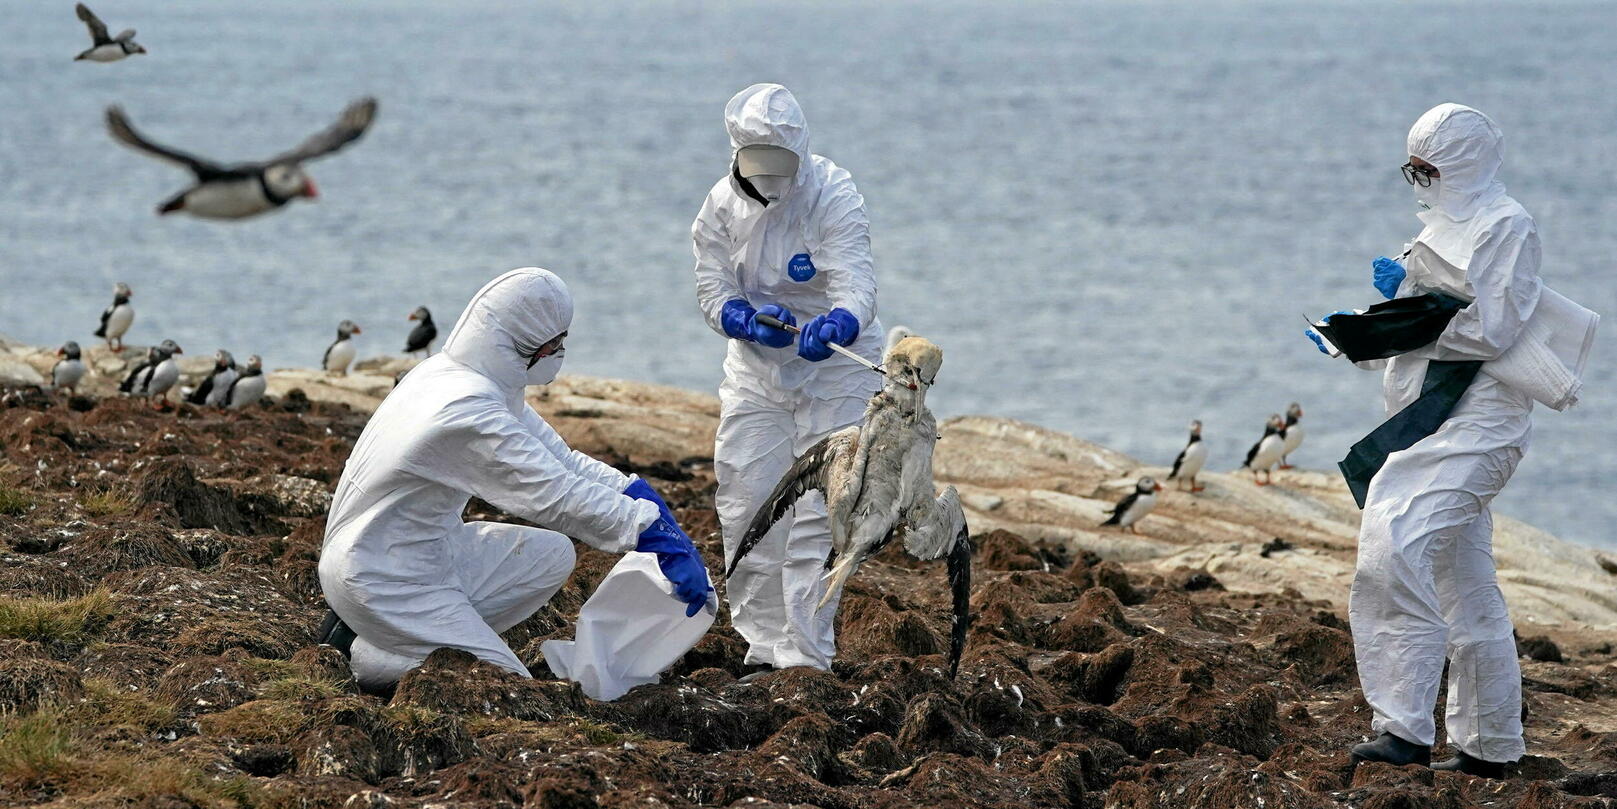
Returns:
(356, 330)
(61, 352)
(309, 190)
(411, 317)
(179, 350)
(1158, 487)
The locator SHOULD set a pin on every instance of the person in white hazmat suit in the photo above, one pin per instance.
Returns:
(1425, 587)
(784, 233)
(399, 567)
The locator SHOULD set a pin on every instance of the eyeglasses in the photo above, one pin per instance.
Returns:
(1418, 175)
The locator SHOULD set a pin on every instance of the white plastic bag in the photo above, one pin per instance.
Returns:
(629, 631)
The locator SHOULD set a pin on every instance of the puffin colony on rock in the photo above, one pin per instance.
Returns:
(242, 190)
(877, 481)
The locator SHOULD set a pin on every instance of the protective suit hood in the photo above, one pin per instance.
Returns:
(1468, 149)
(506, 321)
(768, 115)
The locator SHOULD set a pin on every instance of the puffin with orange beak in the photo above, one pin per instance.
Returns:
(423, 334)
(1133, 507)
(156, 375)
(242, 190)
(340, 354)
(67, 372)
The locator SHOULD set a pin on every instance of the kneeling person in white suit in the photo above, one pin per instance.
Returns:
(403, 572)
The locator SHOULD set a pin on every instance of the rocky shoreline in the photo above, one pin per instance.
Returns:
(158, 600)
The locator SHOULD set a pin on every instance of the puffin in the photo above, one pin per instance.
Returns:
(1292, 433)
(894, 335)
(156, 375)
(341, 352)
(116, 319)
(248, 386)
(242, 190)
(102, 47)
(1266, 453)
(423, 334)
(1190, 461)
(212, 390)
(876, 477)
(1135, 505)
(67, 372)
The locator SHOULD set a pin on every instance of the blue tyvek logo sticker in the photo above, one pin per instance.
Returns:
(800, 268)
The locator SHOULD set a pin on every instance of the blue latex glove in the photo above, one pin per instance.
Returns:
(1319, 340)
(1389, 274)
(736, 318)
(836, 326)
(770, 336)
(679, 561)
(639, 489)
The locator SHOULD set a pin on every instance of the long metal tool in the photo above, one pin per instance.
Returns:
(776, 323)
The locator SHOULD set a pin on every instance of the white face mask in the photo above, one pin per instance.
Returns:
(545, 370)
(1426, 197)
(770, 187)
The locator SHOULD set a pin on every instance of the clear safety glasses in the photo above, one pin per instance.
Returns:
(1418, 175)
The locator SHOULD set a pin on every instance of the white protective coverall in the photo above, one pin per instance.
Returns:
(1425, 586)
(809, 252)
(399, 566)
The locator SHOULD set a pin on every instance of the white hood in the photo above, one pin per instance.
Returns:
(768, 115)
(506, 321)
(1467, 148)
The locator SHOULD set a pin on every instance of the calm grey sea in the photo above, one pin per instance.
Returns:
(1111, 215)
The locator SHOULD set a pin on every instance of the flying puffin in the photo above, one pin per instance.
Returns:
(1191, 460)
(240, 190)
(102, 47)
(212, 390)
(341, 352)
(248, 387)
(1135, 505)
(67, 372)
(1266, 453)
(156, 375)
(116, 319)
(1292, 433)
(877, 480)
(423, 334)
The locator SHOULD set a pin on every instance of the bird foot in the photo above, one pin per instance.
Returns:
(1195, 489)
(1260, 482)
(1286, 466)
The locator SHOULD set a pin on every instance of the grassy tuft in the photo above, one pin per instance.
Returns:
(71, 622)
(35, 750)
(127, 780)
(302, 688)
(14, 501)
(263, 720)
(106, 504)
(603, 733)
(109, 705)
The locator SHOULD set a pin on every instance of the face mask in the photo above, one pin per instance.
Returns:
(770, 187)
(1426, 196)
(544, 371)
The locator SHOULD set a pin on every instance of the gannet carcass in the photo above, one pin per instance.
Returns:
(877, 481)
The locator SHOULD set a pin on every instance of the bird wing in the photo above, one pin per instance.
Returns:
(807, 472)
(105, 315)
(1178, 462)
(200, 395)
(420, 337)
(353, 122)
(1252, 453)
(125, 35)
(118, 125)
(960, 587)
(327, 356)
(128, 385)
(98, 29)
(1121, 508)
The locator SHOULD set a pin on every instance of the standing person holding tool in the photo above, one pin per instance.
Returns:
(783, 234)
(1425, 587)
(404, 575)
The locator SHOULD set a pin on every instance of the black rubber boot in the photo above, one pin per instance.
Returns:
(334, 632)
(1392, 750)
(1471, 766)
